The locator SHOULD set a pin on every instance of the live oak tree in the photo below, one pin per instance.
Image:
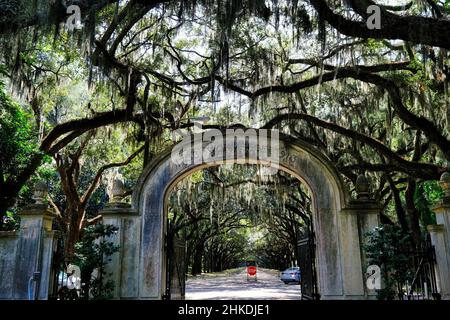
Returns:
(78, 188)
(227, 214)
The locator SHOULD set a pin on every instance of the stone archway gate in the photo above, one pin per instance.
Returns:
(139, 269)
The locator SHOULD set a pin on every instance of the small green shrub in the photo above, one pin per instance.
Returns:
(92, 253)
(389, 248)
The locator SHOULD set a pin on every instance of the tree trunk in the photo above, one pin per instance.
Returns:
(73, 232)
(398, 205)
(413, 213)
(198, 255)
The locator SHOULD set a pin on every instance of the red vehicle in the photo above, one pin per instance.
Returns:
(251, 270)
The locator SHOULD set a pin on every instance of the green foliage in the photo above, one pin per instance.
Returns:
(11, 221)
(272, 252)
(93, 252)
(17, 138)
(426, 195)
(447, 4)
(17, 146)
(388, 247)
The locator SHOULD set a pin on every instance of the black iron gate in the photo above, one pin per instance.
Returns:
(422, 284)
(61, 284)
(175, 274)
(308, 276)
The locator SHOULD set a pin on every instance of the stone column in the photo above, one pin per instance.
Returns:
(363, 217)
(437, 234)
(124, 265)
(440, 238)
(34, 249)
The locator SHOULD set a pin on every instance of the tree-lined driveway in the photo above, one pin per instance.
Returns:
(234, 286)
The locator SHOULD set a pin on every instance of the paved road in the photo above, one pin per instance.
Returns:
(236, 286)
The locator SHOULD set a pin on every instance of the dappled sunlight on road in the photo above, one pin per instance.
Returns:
(235, 286)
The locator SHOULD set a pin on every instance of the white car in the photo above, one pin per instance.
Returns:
(291, 275)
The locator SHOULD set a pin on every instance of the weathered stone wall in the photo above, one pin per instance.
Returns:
(27, 254)
(8, 251)
(124, 265)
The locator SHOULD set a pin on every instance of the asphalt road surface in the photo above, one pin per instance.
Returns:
(235, 286)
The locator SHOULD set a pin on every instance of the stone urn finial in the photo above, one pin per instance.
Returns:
(40, 192)
(118, 190)
(362, 187)
(445, 184)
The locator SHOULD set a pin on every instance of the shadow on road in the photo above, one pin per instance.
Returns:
(235, 286)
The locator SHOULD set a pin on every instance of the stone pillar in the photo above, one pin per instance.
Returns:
(437, 234)
(8, 255)
(124, 265)
(34, 249)
(440, 238)
(363, 217)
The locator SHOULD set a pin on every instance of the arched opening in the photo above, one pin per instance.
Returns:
(339, 255)
(220, 218)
